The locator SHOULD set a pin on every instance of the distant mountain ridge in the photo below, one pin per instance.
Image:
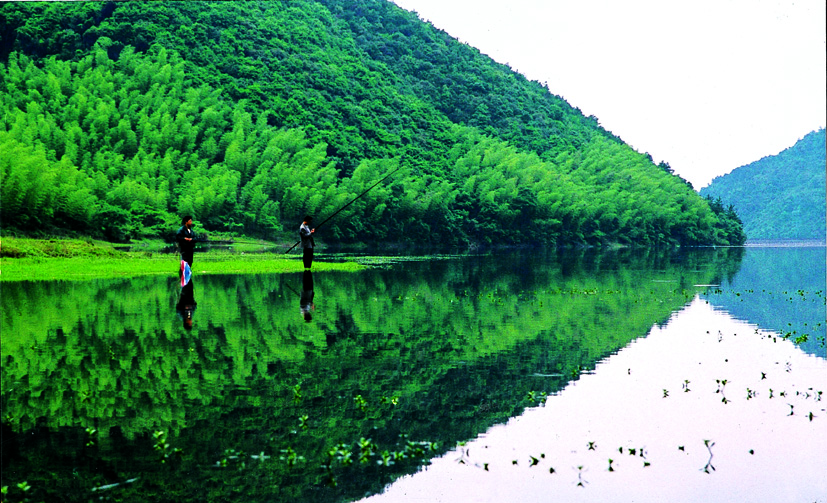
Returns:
(780, 196)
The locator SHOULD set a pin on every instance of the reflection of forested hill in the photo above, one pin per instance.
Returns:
(249, 115)
(779, 196)
(458, 345)
(780, 289)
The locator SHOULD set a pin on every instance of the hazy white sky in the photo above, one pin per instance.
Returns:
(705, 85)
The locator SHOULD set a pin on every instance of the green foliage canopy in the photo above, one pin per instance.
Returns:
(250, 115)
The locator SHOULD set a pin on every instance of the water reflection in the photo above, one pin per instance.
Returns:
(654, 423)
(186, 304)
(306, 298)
(781, 289)
(264, 404)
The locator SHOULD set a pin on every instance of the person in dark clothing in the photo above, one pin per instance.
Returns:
(185, 237)
(306, 235)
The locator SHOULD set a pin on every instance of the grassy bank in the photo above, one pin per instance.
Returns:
(65, 259)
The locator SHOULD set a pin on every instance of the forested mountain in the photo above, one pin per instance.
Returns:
(780, 196)
(119, 116)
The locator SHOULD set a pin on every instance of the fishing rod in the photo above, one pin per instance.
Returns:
(348, 204)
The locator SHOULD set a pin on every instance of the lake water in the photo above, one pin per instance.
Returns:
(519, 376)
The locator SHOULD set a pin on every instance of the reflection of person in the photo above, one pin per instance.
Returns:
(186, 239)
(186, 305)
(306, 298)
(306, 234)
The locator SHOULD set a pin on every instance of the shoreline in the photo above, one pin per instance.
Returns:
(25, 259)
(92, 268)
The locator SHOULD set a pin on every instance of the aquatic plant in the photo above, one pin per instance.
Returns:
(580, 481)
(708, 468)
(91, 437)
(535, 397)
(361, 403)
(23, 487)
(721, 385)
(366, 449)
(394, 400)
(163, 448)
(290, 457)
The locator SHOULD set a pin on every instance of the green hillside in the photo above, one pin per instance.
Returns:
(119, 117)
(779, 196)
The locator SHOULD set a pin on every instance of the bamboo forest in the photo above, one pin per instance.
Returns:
(119, 117)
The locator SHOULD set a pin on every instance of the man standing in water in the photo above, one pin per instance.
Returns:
(186, 239)
(306, 234)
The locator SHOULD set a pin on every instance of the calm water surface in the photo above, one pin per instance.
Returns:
(619, 376)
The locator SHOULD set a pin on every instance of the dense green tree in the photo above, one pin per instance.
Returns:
(250, 115)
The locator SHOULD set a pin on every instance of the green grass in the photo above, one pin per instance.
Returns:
(12, 247)
(57, 259)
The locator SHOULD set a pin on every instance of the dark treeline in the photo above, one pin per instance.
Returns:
(119, 117)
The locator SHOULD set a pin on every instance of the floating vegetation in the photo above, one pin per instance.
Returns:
(163, 448)
(535, 397)
(91, 437)
(361, 403)
(580, 481)
(290, 457)
(708, 468)
(768, 307)
(721, 385)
